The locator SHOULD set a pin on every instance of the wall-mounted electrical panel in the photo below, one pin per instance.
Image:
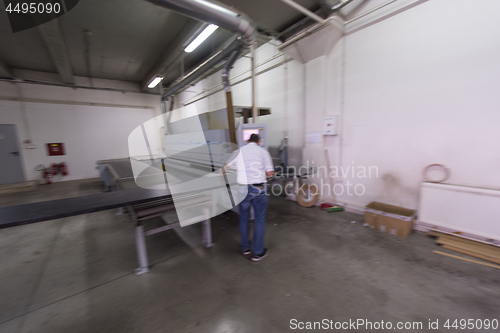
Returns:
(330, 125)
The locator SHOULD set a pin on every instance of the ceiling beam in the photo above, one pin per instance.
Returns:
(172, 53)
(312, 15)
(304, 11)
(5, 71)
(54, 41)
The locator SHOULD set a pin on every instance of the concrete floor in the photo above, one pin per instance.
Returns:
(76, 275)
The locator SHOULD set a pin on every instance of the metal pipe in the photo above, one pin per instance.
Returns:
(304, 11)
(172, 55)
(329, 20)
(303, 22)
(164, 111)
(301, 35)
(371, 11)
(171, 103)
(165, 108)
(389, 13)
(241, 81)
(234, 77)
(213, 13)
(44, 83)
(342, 103)
(205, 66)
(252, 68)
(307, 12)
(312, 29)
(60, 102)
(227, 68)
(341, 5)
(304, 108)
(285, 104)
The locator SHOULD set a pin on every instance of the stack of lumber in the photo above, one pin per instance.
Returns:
(469, 247)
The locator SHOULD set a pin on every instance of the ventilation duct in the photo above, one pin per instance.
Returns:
(213, 13)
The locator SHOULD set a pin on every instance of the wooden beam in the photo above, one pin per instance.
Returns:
(472, 254)
(230, 117)
(465, 237)
(470, 246)
(465, 259)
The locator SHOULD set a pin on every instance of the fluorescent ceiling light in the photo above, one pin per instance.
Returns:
(201, 37)
(155, 81)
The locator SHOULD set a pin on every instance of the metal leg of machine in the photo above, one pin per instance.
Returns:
(206, 233)
(140, 241)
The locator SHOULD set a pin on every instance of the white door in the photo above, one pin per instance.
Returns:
(11, 170)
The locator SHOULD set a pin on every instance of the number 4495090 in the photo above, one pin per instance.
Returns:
(472, 324)
(34, 8)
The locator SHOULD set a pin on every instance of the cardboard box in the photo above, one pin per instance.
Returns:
(393, 220)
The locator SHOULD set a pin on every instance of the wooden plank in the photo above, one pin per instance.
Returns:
(469, 247)
(437, 234)
(466, 240)
(491, 252)
(472, 254)
(469, 260)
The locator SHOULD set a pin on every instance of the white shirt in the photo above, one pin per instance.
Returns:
(252, 162)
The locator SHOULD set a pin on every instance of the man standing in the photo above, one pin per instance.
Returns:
(254, 165)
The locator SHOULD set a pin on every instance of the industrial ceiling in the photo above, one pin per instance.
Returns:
(133, 40)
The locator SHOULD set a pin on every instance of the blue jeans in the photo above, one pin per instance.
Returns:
(256, 197)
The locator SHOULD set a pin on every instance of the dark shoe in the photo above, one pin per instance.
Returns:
(260, 256)
(247, 252)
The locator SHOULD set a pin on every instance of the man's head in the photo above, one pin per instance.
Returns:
(255, 138)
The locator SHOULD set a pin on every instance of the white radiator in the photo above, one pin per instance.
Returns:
(471, 210)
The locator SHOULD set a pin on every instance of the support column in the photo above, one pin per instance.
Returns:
(140, 243)
(254, 106)
(206, 233)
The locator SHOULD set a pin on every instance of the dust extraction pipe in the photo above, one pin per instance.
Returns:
(214, 13)
(203, 68)
(229, 97)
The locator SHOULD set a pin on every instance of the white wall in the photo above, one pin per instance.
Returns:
(323, 98)
(270, 92)
(60, 114)
(420, 87)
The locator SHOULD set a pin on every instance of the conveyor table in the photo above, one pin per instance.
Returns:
(118, 176)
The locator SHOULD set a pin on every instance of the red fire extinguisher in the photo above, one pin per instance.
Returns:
(55, 168)
(48, 177)
(44, 171)
(64, 169)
